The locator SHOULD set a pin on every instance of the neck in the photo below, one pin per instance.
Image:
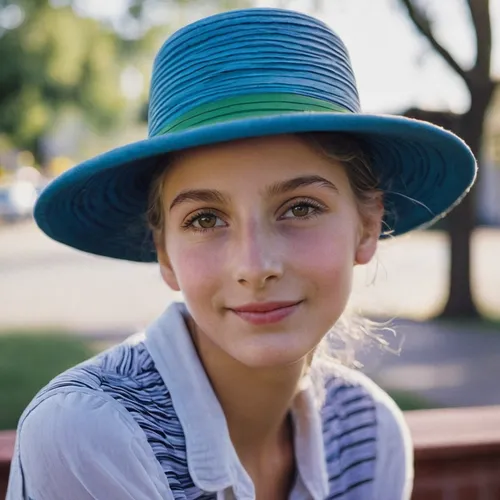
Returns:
(255, 401)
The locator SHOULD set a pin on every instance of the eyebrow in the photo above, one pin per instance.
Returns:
(214, 196)
(203, 195)
(298, 182)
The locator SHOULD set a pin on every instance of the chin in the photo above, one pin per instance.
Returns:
(260, 354)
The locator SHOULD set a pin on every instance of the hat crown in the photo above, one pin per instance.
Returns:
(247, 53)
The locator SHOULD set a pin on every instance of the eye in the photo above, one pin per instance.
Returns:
(203, 221)
(300, 210)
(206, 221)
(303, 210)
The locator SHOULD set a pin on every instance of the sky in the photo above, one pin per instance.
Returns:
(394, 67)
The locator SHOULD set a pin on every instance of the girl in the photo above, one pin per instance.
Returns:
(260, 187)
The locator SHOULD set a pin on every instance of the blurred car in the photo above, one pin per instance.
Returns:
(17, 201)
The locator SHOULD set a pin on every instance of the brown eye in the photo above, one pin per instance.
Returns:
(300, 210)
(207, 221)
(204, 221)
(303, 210)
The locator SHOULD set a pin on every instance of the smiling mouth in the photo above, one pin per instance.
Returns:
(265, 313)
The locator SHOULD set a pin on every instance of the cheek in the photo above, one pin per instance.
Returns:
(198, 269)
(325, 249)
(325, 260)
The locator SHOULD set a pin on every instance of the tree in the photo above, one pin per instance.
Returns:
(470, 127)
(55, 57)
(52, 60)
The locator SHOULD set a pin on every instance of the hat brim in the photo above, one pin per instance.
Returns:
(99, 206)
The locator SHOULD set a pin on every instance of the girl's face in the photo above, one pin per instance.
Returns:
(261, 237)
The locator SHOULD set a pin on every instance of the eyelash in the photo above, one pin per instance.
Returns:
(317, 207)
(188, 224)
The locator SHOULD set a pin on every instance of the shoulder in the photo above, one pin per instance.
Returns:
(74, 418)
(120, 365)
(82, 441)
(361, 404)
(348, 388)
(81, 432)
(77, 404)
(105, 386)
(78, 410)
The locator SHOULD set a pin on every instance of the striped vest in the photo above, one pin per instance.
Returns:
(128, 374)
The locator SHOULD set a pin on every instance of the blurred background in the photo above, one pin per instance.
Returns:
(74, 83)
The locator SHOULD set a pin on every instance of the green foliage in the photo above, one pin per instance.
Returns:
(52, 61)
(55, 59)
(28, 361)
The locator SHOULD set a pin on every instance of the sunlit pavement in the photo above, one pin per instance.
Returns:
(44, 284)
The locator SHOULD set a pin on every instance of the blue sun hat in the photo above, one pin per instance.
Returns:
(242, 74)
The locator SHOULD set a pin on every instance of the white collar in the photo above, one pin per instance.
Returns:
(212, 460)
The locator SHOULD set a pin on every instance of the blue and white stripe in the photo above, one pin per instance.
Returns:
(128, 374)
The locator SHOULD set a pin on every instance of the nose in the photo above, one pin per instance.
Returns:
(257, 258)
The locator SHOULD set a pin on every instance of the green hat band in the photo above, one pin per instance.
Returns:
(239, 107)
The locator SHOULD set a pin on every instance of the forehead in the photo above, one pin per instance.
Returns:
(249, 162)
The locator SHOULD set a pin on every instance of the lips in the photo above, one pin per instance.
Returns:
(262, 313)
(263, 307)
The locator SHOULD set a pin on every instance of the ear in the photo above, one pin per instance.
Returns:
(371, 227)
(166, 269)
